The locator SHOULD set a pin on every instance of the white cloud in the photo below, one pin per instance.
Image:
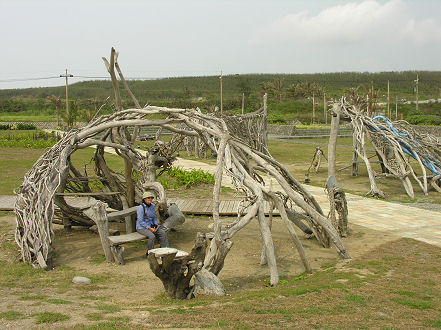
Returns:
(355, 22)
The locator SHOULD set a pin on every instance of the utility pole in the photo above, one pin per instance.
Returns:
(396, 108)
(324, 108)
(221, 96)
(67, 96)
(313, 108)
(243, 102)
(389, 115)
(371, 102)
(417, 91)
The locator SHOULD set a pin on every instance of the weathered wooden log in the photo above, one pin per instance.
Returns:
(208, 284)
(177, 267)
(97, 212)
(117, 252)
(175, 217)
(294, 217)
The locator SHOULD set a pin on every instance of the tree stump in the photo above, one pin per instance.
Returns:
(178, 267)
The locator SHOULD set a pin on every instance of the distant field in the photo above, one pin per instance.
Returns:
(25, 118)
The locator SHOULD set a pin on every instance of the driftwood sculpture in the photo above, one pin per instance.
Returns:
(316, 159)
(394, 143)
(246, 165)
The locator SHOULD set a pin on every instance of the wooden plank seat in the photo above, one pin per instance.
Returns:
(116, 242)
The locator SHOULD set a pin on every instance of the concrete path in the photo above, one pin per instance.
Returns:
(398, 219)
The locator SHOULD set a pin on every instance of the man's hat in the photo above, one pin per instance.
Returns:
(148, 193)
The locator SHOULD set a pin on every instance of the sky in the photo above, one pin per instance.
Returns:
(174, 38)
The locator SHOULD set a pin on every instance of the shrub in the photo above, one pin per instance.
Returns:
(189, 178)
(418, 119)
(22, 126)
(5, 127)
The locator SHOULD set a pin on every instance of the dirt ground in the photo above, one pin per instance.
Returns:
(79, 253)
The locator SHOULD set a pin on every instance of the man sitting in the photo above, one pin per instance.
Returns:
(147, 222)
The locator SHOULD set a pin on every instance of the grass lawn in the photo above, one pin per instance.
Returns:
(13, 171)
(28, 118)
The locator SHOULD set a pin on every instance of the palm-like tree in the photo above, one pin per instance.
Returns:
(71, 117)
(267, 87)
(278, 85)
(56, 101)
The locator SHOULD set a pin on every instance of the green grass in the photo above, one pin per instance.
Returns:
(108, 308)
(59, 301)
(94, 316)
(114, 323)
(11, 315)
(433, 323)
(27, 118)
(356, 299)
(48, 317)
(404, 293)
(15, 162)
(412, 303)
(99, 259)
(33, 297)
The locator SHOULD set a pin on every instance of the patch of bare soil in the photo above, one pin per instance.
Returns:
(133, 288)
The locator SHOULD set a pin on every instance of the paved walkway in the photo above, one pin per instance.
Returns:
(397, 219)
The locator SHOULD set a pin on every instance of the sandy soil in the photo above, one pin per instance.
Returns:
(134, 283)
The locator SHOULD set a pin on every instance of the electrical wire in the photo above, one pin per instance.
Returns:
(27, 79)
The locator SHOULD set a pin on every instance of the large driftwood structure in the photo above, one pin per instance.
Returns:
(246, 165)
(395, 145)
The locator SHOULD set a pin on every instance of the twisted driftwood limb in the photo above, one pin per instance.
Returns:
(291, 230)
(436, 182)
(176, 270)
(338, 204)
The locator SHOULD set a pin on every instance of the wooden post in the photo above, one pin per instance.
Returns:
(265, 98)
(417, 91)
(221, 95)
(97, 212)
(335, 121)
(388, 100)
(325, 114)
(67, 102)
(67, 96)
(243, 102)
(313, 109)
(354, 158)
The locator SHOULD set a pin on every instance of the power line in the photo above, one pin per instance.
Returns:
(28, 79)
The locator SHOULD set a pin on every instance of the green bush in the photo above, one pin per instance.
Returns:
(5, 127)
(418, 119)
(28, 140)
(189, 178)
(22, 126)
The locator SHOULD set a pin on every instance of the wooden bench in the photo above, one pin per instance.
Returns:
(116, 242)
(112, 244)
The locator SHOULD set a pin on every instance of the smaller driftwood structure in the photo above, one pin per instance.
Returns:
(396, 144)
